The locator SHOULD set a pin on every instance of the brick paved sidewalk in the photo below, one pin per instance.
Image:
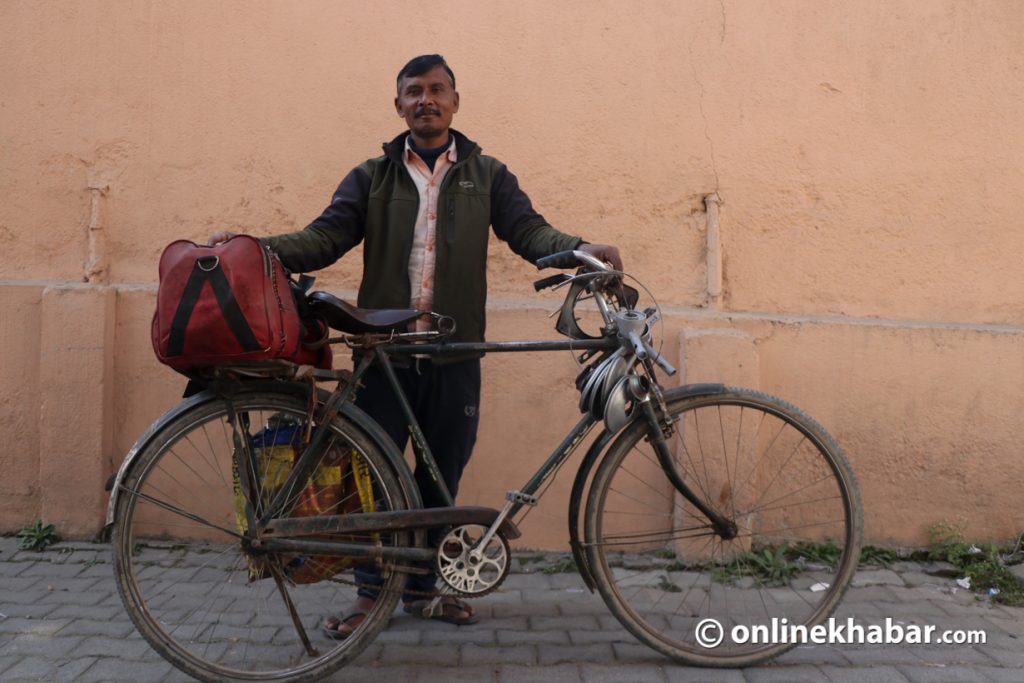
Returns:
(63, 621)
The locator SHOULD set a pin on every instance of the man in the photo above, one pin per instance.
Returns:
(422, 211)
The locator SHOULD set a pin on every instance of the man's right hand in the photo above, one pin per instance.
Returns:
(220, 236)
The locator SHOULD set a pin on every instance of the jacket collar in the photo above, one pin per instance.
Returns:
(464, 147)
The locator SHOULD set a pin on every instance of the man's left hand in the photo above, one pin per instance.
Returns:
(605, 252)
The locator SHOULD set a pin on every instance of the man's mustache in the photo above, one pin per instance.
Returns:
(425, 111)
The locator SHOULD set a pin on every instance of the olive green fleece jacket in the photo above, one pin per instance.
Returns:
(377, 204)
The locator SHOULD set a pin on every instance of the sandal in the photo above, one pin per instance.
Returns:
(332, 625)
(450, 612)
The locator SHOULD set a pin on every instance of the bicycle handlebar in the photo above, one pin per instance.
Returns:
(571, 259)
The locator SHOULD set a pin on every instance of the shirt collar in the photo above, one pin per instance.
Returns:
(452, 152)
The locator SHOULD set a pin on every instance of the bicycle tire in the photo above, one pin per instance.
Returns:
(766, 466)
(186, 583)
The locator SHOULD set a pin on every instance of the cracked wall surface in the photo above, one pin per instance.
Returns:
(867, 158)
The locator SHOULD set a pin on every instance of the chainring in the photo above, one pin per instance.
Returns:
(469, 573)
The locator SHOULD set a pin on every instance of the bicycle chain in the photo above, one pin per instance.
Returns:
(448, 590)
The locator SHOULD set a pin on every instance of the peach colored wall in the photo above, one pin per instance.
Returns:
(867, 155)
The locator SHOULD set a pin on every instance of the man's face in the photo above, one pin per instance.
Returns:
(428, 103)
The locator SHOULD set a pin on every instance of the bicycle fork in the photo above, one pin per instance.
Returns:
(658, 430)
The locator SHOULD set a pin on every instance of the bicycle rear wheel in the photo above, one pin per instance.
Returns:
(211, 608)
(664, 572)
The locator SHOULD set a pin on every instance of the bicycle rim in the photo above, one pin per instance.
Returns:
(663, 570)
(211, 609)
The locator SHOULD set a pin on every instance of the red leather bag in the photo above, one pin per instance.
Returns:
(223, 304)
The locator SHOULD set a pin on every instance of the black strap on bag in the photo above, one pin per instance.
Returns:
(206, 269)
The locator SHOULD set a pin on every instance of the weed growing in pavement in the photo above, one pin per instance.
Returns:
(37, 537)
(566, 565)
(872, 555)
(768, 565)
(984, 563)
(667, 586)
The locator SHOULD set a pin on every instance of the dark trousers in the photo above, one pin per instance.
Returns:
(446, 402)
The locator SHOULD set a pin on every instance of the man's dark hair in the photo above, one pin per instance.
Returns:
(417, 66)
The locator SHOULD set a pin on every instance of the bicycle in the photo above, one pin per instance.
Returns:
(270, 490)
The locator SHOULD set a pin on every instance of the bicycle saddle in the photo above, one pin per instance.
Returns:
(345, 317)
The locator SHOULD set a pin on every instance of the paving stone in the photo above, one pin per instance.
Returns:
(813, 654)
(105, 646)
(504, 596)
(557, 637)
(94, 627)
(463, 674)
(582, 604)
(635, 653)
(944, 674)
(539, 627)
(545, 608)
(12, 569)
(38, 627)
(863, 674)
(36, 668)
(518, 654)
(568, 580)
(692, 674)
(874, 593)
(966, 609)
(29, 645)
(396, 653)
(647, 673)
(525, 583)
(1007, 658)
(561, 673)
(1008, 675)
(94, 612)
(72, 670)
(75, 556)
(575, 623)
(19, 584)
(391, 674)
(876, 577)
(479, 636)
(946, 655)
(566, 654)
(874, 655)
(785, 674)
(915, 579)
(619, 635)
(47, 569)
(118, 669)
(409, 637)
(88, 598)
(6, 662)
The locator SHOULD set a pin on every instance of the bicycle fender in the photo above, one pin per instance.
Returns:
(361, 420)
(575, 498)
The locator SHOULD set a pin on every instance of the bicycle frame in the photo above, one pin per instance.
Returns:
(432, 517)
(382, 355)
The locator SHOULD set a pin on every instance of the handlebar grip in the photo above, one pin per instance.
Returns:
(563, 259)
(552, 280)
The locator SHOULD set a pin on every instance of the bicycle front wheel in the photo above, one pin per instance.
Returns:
(194, 589)
(701, 597)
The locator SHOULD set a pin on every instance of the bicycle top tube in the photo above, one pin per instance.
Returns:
(443, 348)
